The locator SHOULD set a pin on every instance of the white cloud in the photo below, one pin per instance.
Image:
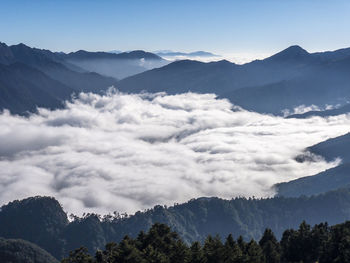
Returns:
(128, 152)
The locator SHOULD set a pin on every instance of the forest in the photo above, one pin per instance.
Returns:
(160, 244)
(43, 221)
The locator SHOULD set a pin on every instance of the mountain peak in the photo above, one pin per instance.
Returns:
(21, 45)
(295, 49)
(291, 52)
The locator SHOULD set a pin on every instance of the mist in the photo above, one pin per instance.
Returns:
(122, 152)
(118, 69)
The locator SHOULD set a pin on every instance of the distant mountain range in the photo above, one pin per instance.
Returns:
(117, 65)
(169, 53)
(288, 79)
(285, 80)
(31, 77)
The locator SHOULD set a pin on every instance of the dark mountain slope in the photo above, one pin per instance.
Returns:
(53, 65)
(331, 179)
(22, 88)
(319, 88)
(183, 76)
(324, 83)
(39, 220)
(333, 148)
(86, 82)
(21, 251)
(193, 220)
(218, 77)
(31, 77)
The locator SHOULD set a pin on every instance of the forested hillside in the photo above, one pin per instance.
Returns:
(20, 251)
(41, 220)
(320, 243)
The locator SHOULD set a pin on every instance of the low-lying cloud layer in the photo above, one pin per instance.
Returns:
(129, 152)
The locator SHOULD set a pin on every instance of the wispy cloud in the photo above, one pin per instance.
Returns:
(128, 152)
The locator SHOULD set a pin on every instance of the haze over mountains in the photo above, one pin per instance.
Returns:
(285, 80)
(195, 55)
(33, 77)
(275, 85)
(119, 65)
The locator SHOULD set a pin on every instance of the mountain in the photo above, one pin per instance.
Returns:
(41, 220)
(22, 88)
(117, 65)
(38, 220)
(53, 65)
(334, 148)
(136, 54)
(288, 79)
(285, 80)
(333, 55)
(182, 76)
(31, 77)
(331, 179)
(21, 251)
(169, 53)
(293, 53)
(320, 84)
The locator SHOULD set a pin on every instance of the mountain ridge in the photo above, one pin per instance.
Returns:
(193, 221)
(297, 70)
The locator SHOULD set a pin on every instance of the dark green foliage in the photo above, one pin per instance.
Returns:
(20, 251)
(270, 247)
(232, 252)
(42, 221)
(196, 254)
(79, 255)
(308, 244)
(213, 250)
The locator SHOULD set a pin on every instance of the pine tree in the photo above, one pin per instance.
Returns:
(127, 252)
(270, 247)
(213, 249)
(231, 252)
(196, 254)
(79, 255)
(254, 253)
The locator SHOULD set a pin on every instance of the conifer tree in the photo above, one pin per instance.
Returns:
(270, 247)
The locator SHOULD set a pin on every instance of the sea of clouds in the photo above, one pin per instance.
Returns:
(122, 152)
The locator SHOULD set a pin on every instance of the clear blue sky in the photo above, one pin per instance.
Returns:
(186, 25)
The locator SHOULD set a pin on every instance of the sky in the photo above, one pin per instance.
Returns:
(245, 28)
